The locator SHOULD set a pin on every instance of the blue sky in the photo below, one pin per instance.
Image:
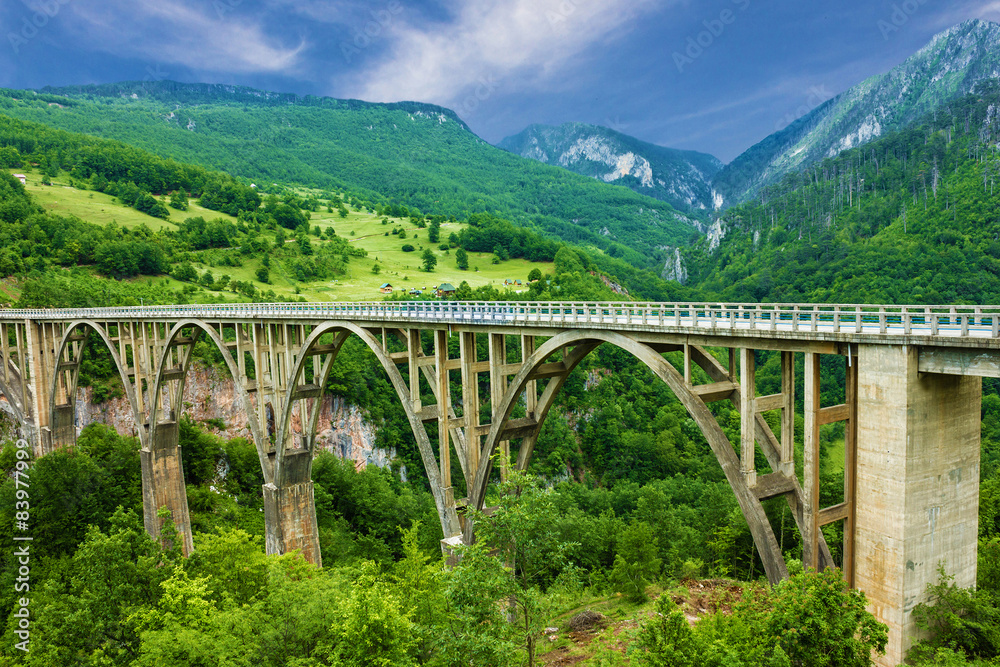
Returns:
(715, 76)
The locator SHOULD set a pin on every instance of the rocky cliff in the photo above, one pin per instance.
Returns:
(210, 397)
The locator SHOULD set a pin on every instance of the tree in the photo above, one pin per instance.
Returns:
(372, 628)
(462, 259)
(376, 268)
(520, 530)
(636, 563)
(430, 261)
(434, 232)
(534, 275)
(185, 273)
(179, 200)
(263, 275)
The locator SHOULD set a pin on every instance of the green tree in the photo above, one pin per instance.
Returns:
(520, 531)
(462, 259)
(534, 274)
(636, 561)
(179, 200)
(429, 260)
(372, 628)
(263, 275)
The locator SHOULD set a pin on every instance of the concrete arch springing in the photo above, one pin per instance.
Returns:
(582, 343)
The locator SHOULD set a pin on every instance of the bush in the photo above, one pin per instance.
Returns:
(408, 248)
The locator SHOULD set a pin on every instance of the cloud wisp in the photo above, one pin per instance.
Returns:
(486, 43)
(211, 37)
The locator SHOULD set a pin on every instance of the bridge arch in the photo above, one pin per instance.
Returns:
(446, 512)
(580, 343)
(14, 400)
(102, 333)
(159, 380)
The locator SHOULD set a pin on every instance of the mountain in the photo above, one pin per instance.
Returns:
(910, 217)
(418, 155)
(950, 66)
(681, 178)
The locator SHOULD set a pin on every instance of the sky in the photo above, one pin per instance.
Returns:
(715, 76)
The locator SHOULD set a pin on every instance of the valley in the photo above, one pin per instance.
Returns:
(621, 542)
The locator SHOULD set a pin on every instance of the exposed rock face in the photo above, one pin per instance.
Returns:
(674, 268)
(680, 178)
(208, 395)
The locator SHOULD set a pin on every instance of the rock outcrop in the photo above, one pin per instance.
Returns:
(210, 398)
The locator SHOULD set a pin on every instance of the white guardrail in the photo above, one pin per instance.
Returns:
(945, 321)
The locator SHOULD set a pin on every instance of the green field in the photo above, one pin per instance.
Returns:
(403, 270)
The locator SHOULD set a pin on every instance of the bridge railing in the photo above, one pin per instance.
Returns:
(951, 321)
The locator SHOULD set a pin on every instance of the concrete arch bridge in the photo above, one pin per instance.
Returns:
(911, 411)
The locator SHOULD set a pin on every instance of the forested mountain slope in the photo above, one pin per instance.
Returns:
(949, 67)
(913, 217)
(681, 178)
(418, 155)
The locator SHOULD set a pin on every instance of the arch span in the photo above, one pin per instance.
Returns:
(159, 380)
(128, 387)
(582, 343)
(446, 511)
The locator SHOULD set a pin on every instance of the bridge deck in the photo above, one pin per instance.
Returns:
(940, 326)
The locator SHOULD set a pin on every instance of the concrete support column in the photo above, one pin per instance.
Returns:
(748, 416)
(917, 485)
(163, 485)
(63, 426)
(290, 510)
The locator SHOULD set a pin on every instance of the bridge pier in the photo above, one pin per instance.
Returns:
(62, 431)
(917, 485)
(290, 510)
(163, 485)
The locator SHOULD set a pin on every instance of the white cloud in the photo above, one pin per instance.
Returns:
(488, 42)
(211, 36)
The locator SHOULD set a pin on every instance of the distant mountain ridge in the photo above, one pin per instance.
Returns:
(208, 93)
(949, 67)
(418, 155)
(681, 178)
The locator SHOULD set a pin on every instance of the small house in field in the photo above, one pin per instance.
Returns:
(22, 178)
(415, 292)
(446, 289)
(386, 288)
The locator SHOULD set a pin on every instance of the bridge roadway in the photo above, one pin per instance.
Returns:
(910, 411)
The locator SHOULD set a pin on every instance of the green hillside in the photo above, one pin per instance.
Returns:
(417, 155)
(952, 64)
(359, 228)
(909, 218)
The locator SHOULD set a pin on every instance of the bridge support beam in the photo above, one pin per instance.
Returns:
(290, 510)
(917, 485)
(163, 485)
(62, 431)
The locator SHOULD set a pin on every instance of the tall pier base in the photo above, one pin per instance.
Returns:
(290, 510)
(917, 485)
(163, 485)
